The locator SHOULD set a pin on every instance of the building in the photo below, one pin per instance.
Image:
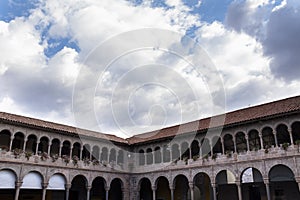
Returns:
(255, 157)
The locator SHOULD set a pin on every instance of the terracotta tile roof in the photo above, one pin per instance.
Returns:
(231, 118)
(235, 117)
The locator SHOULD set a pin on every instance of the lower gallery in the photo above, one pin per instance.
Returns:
(253, 155)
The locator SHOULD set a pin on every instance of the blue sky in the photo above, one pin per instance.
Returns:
(46, 45)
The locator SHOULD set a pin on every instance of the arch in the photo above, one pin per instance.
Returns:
(98, 188)
(166, 153)
(254, 140)
(96, 153)
(115, 191)
(241, 142)
(78, 187)
(227, 188)
(66, 148)
(217, 145)
(112, 155)
(282, 134)
(282, 183)
(145, 189)
(205, 147)
(43, 145)
(76, 149)
(253, 187)
(202, 187)
(104, 154)
(296, 132)
(268, 137)
(7, 179)
(149, 156)
(32, 180)
(195, 149)
(185, 151)
(162, 188)
(141, 157)
(18, 141)
(175, 152)
(86, 151)
(55, 147)
(120, 157)
(57, 182)
(157, 155)
(228, 143)
(181, 187)
(5, 136)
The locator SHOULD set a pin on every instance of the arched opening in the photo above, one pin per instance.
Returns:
(195, 148)
(4, 140)
(96, 153)
(227, 188)
(115, 191)
(98, 189)
(241, 143)
(228, 143)
(66, 148)
(104, 155)
(76, 149)
(181, 186)
(18, 141)
(86, 152)
(282, 183)
(55, 146)
(282, 135)
(32, 186)
(175, 152)
(145, 189)
(268, 137)
(149, 156)
(202, 187)
(162, 188)
(205, 147)
(43, 145)
(31, 144)
(112, 155)
(141, 157)
(217, 145)
(296, 132)
(56, 187)
(7, 184)
(157, 155)
(166, 153)
(253, 187)
(185, 151)
(254, 140)
(120, 157)
(78, 188)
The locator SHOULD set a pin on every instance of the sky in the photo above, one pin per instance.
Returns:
(54, 55)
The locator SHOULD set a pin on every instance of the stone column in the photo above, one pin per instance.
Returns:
(291, 136)
(67, 187)
(60, 149)
(10, 143)
(261, 140)
(37, 148)
(17, 192)
(88, 192)
(266, 181)
(238, 184)
(191, 185)
(44, 186)
(154, 192)
(106, 192)
(190, 152)
(247, 142)
(234, 144)
(275, 138)
(49, 147)
(24, 144)
(71, 151)
(223, 146)
(80, 153)
(172, 192)
(214, 187)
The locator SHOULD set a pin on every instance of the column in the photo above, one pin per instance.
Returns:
(162, 154)
(37, 148)
(190, 152)
(247, 141)
(10, 144)
(291, 135)
(80, 153)
(191, 185)
(18, 185)
(238, 183)
(71, 151)
(275, 138)
(60, 149)
(261, 141)
(234, 144)
(24, 145)
(67, 186)
(44, 186)
(266, 181)
(49, 148)
(154, 192)
(106, 192)
(223, 146)
(214, 187)
(88, 192)
(172, 192)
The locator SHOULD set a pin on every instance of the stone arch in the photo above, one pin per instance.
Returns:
(175, 152)
(66, 148)
(185, 150)
(282, 134)
(181, 187)
(104, 154)
(95, 153)
(76, 149)
(217, 145)
(295, 127)
(55, 146)
(254, 140)
(241, 142)
(43, 144)
(18, 141)
(166, 153)
(31, 143)
(115, 191)
(145, 189)
(86, 151)
(98, 188)
(226, 186)
(195, 149)
(162, 188)
(112, 155)
(228, 143)
(157, 155)
(5, 136)
(8, 177)
(141, 157)
(202, 186)
(268, 137)
(149, 156)
(78, 188)
(205, 147)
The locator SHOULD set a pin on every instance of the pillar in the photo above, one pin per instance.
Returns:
(247, 142)
(266, 181)
(190, 151)
(49, 147)
(154, 192)
(10, 143)
(60, 149)
(239, 190)
(275, 138)
(291, 135)
(67, 187)
(261, 140)
(214, 187)
(24, 144)
(37, 148)
(17, 192)
(106, 192)
(234, 144)
(44, 186)
(88, 192)
(191, 185)
(172, 192)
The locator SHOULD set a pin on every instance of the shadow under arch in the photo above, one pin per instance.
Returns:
(202, 187)
(145, 189)
(226, 186)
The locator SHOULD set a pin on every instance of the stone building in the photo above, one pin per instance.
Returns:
(253, 155)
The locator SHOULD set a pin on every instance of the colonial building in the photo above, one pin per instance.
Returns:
(253, 155)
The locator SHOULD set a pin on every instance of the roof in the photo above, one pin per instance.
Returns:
(258, 112)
